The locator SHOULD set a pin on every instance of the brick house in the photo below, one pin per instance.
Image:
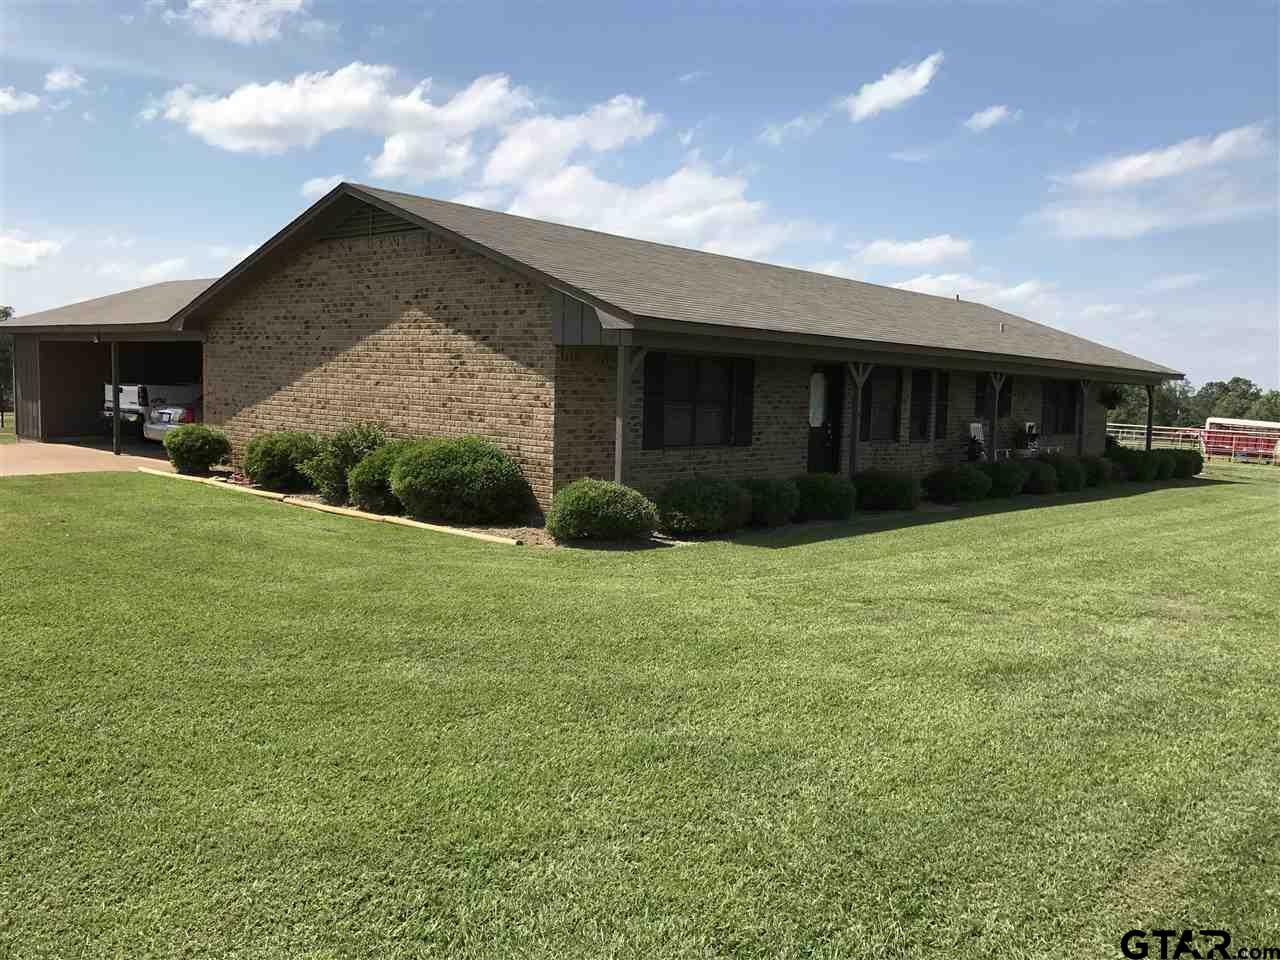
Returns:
(588, 354)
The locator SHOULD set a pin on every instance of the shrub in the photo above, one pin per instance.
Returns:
(1008, 477)
(824, 496)
(773, 502)
(1140, 465)
(1165, 464)
(1071, 473)
(1187, 463)
(956, 484)
(600, 510)
(369, 481)
(194, 448)
(703, 505)
(1098, 471)
(460, 480)
(1041, 477)
(328, 469)
(886, 490)
(274, 460)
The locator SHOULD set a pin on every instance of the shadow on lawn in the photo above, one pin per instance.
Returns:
(879, 521)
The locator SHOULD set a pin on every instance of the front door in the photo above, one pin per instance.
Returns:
(826, 412)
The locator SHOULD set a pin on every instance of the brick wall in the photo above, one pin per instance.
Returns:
(401, 328)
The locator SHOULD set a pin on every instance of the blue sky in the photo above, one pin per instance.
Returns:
(1108, 168)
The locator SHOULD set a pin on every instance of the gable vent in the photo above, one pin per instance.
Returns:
(367, 221)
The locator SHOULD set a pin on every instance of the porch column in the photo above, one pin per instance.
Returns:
(115, 397)
(1081, 418)
(997, 384)
(620, 413)
(1151, 405)
(859, 372)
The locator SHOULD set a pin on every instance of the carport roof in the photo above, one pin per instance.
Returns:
(152, 304)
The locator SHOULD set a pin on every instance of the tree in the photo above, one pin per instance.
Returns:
(1232, 398)
(1266, 407)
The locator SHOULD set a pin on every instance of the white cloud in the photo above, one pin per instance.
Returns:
(1175, 281)
(1095, 310)
(692, 207)
(1195, 206)
(802, 126)
(240, 21)
(15, 101)
(974, 288)
(1138, 168)
(317, 187)
(422, 139)
(63, 78)
(18, 253)
(539, 146)
(1197, 182)
(988, 118)
(916, 253)
(170, 269)
(693, 76)
(893, 89)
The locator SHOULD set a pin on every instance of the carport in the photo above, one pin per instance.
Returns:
(63, 357)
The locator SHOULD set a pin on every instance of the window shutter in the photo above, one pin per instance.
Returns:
(654, 379)
(1006, 397)
(1046, 405)
(744, 388)
(897, 407)
(980, 406)
(864, 418)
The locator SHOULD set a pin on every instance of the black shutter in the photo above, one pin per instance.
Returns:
(654, 380)
(897, 407)
(744, 389)
(980, 405)
(1006, 398)
(1046, 406)
(864, 418)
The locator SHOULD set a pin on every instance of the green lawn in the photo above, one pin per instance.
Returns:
(234, 728)
(6, 431)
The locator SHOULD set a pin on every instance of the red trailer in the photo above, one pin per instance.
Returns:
(1241, 439)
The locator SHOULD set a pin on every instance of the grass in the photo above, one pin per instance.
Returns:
(7, 429)
(232, 728)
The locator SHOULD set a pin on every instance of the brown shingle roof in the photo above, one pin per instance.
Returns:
(646, 279)
(154, 304)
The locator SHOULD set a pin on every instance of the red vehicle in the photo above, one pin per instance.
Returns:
(1241, 439)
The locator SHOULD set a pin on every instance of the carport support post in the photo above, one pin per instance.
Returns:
(1151, 410)
(859, 372)
(115, 397)
(620, 412)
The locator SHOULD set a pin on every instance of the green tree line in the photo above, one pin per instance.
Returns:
(1177, 404)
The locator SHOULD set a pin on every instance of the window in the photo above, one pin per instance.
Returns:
(982, 397)
(1058, 406)
(941, 405)
(697, 401)
(921, 403)
(881, 404)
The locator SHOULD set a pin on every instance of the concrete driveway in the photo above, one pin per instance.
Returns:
(27, 457)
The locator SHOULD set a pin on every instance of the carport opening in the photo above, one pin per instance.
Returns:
(75, 382)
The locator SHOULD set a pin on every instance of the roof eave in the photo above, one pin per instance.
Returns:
(899, 352)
